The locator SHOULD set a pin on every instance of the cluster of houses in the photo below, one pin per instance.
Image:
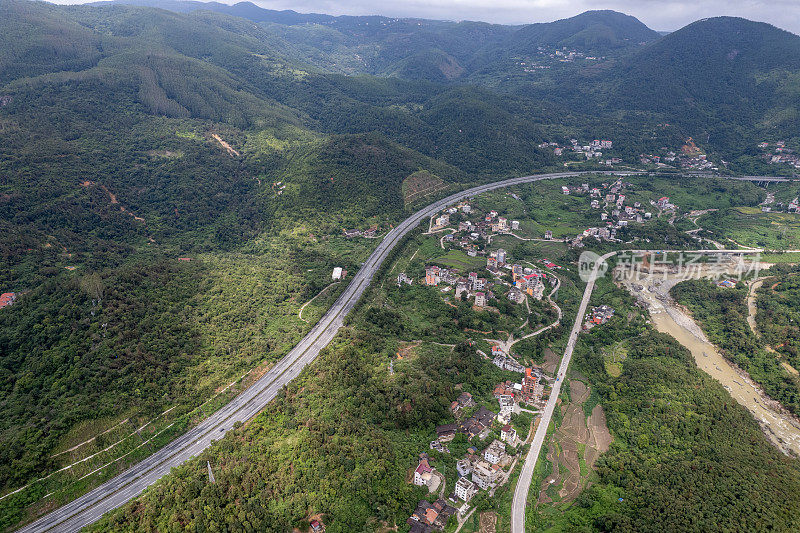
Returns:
(593, 150)
(428, 517)
(7, 298)
(443, 220)
(688, 157)
(530, 390)
(525, 280)
(598, 316)
(471, 234)
(779, 154)
(610, 199)
(476, 471)
(545, 57)
(472, 285)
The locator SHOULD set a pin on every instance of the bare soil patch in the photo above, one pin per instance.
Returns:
(551, 361)
(228, 147)
(408, 349)
(419, 185)
(487, 522)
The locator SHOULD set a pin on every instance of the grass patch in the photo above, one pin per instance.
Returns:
(460, 261)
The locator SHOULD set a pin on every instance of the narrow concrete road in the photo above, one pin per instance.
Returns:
(526, 475)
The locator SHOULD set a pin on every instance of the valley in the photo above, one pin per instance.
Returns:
(276, 271)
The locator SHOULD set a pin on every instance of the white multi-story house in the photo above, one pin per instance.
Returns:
(495, 452)
(465, 489)
(484, 475)
(480, 299)
(463, 467)
(508, 434)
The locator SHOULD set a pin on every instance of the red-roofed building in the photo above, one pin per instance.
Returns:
(7, 298)
(423, 473)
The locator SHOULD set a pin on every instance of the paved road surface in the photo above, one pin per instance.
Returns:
(126, 486)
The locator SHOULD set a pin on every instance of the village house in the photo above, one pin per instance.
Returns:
(432, 275)
(428, 517)
(501, 257)
(317, 526)
(598, 315)
(515, 295)
(403, 278)
(7, 298)
(507, 363)
(461, 288)
(548, 235)
(463, 401)
(505, 388)
(423, 475)
(338, 273)
(479, 423)
(514, 224)
(483, 475)
(495, 452)
(438, 446)
(529, 386)
(465, 489)
(480, 299)
(446, 432)
(463, 467)
(508, 434)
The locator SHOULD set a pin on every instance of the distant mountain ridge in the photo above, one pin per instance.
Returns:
(591, 30)
(434, 50)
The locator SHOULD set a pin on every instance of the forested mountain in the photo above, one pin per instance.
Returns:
(592, 31)
(717, 75)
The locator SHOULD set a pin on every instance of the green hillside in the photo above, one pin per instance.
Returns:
(726, 79)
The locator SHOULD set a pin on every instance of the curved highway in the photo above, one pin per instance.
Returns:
(128, 485)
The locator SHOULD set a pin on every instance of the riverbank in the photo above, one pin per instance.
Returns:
(779, 425)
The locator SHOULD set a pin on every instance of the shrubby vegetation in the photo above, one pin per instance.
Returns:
(338, 441)
(778, 311)
(721, 313)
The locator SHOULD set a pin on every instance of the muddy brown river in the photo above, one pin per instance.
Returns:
(780, 427)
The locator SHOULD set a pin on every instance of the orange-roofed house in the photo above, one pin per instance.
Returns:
(7, 298)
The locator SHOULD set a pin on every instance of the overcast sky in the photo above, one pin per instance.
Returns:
(658, 14)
